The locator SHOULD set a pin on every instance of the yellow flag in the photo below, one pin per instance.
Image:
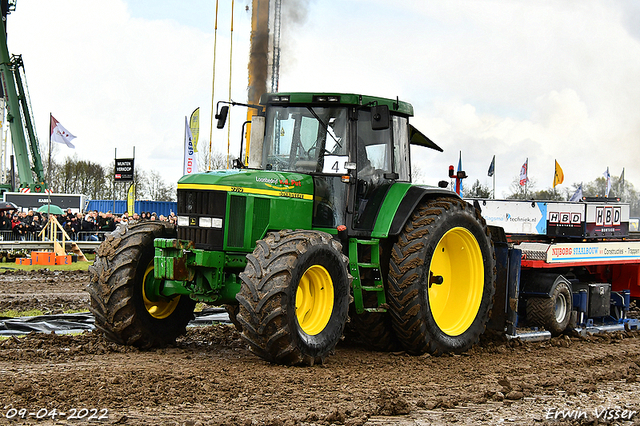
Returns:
(558, 177)
(194, 125)
(131, 199)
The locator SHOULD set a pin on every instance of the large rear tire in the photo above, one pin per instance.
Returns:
(294, 297)
(122, 310)
(442, 278)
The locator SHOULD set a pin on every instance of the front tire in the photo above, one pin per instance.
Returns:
(442, 278)
(122, 310)
(294, 297)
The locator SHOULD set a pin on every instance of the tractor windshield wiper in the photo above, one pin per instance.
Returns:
(324, 126)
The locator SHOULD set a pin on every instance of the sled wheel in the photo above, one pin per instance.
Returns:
(294, 297)
(122, 309)
(553, 313)
(441, 278)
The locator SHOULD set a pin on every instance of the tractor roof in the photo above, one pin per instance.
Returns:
(327, 99)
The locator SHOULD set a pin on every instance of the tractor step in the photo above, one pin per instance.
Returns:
(357, 267)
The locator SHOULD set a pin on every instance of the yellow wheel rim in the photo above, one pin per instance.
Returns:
(314, 300)
(160, 309)
(458, 261)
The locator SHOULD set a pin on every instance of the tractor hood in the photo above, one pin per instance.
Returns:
(259, 182)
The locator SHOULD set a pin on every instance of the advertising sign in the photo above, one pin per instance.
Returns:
(26, 202)
(607, 220)
(565, 219)
(516, 217)
(557, 219)
(593, 252)
(123, 169)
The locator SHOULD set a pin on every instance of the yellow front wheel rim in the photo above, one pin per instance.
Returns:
(456, 276)
(159, 309)
(314, 300)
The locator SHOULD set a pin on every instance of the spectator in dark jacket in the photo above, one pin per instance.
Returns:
(5, 221)
(88, 227)
(72, 227)
(35, 227)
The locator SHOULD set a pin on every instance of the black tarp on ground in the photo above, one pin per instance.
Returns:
(77, 323)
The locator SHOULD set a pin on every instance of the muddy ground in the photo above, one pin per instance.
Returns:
(209, 378)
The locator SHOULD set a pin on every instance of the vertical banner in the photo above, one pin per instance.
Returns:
(190, 165)
(194, 125)
(608, 182)
(524, 173)
(131, 199)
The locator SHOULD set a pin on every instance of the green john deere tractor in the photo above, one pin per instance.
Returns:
(320, 227)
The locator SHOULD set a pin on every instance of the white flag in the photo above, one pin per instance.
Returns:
(608, 178)
(60, 134)
(524, 173)
(190, 165)
(577, 196)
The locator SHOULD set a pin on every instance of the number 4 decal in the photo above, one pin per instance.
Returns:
(335, 164)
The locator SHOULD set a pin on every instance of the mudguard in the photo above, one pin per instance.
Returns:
(400, 201)
(539, 284)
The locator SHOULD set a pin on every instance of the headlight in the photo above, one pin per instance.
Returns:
(204, 222)
(183, 221)
(210, 222)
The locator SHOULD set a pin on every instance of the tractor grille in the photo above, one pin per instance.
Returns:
(261, 215)
(237, 212)
(196, 204)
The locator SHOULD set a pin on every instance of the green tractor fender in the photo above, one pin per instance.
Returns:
(400, 201)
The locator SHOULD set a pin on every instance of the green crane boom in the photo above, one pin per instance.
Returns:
(19, 118)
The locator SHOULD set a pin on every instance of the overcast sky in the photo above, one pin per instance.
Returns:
(543, 80)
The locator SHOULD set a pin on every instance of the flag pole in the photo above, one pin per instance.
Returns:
(49, 170)
(555, 173)
(494, 181)
(526, 178)
(230, 74)
(213, 85)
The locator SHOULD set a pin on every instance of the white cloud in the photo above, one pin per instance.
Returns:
(118, 82)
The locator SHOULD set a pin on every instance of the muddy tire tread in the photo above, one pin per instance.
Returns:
(264, 295)
(406, 268)
(111, 289)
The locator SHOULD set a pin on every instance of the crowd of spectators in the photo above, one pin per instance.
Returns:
(90, 226)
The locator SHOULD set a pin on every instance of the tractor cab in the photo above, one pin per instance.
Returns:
(354, 147)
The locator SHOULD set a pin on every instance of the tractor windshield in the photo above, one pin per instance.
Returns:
(305, 139)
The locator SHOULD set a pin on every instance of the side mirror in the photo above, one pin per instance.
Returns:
(380, 117)
(222, 116)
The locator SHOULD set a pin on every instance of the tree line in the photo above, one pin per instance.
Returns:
(77, 176)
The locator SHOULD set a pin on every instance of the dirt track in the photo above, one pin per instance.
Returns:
(209, 378)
